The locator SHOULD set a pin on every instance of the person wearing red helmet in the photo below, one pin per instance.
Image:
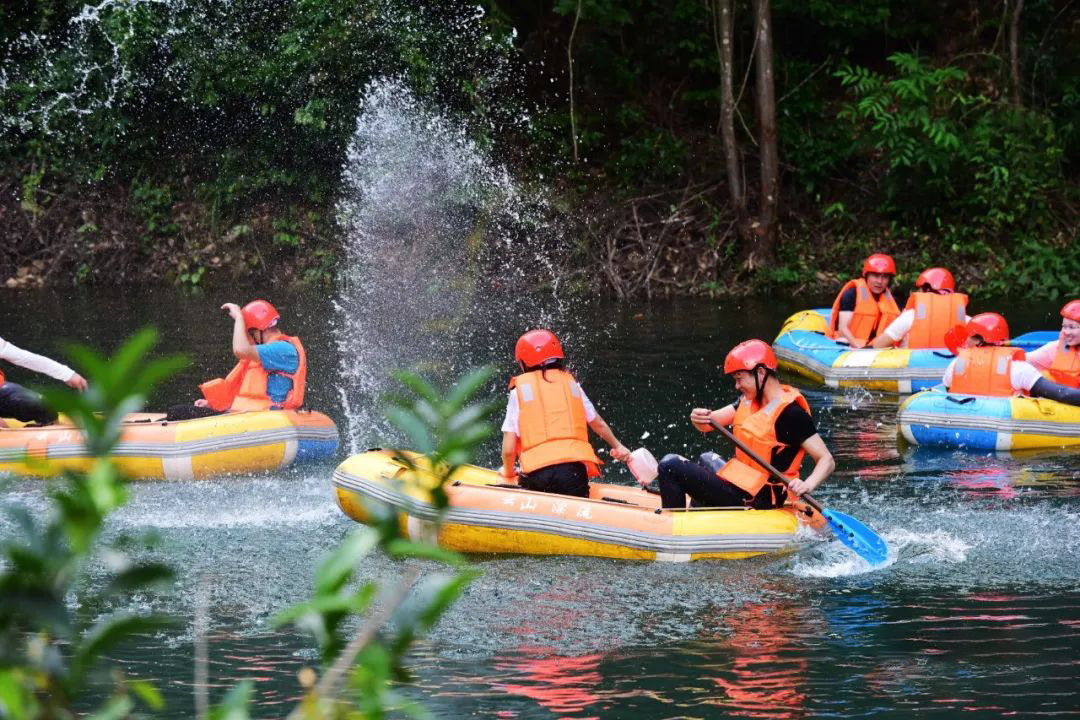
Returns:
(772, 419)
(864, 307)
(548, 416)
(986, 365)
(18, 403)
(1060, 359)
(271, 368)
(931, 311)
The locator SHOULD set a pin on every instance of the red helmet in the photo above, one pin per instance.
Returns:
(537, 347)
(259, 315)
(1071, 310)
(939, 279)
(748, 354)
(879, 263)
(991, 327)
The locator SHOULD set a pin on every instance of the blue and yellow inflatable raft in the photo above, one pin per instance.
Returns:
(978, 422)
(802, 348)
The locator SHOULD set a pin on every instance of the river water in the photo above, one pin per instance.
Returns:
(979, 614)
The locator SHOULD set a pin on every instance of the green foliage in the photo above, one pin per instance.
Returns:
(953, 155)
(49, 654)
(447, 428)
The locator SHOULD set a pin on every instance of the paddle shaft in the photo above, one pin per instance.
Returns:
(761, 461)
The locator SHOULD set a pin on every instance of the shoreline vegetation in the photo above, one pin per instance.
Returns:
(699, 147)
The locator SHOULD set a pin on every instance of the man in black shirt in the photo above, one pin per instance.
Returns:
(770, 418)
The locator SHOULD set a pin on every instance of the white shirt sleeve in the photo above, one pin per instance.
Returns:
(510, 422)
(37, 363)
(947, 378)
(1023, 375)
(901, 326)
(1043, 358)
(590, 411)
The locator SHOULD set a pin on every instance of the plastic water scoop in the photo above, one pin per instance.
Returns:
(642, 465)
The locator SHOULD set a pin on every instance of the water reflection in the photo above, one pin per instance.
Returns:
(767, 673)
(563, 685)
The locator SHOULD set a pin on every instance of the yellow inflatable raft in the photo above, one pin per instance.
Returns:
(615, 521)
(150, 447)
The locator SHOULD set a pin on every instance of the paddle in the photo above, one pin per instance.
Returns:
(864, 541)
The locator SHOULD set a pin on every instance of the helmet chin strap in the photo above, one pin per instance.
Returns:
(759, 390)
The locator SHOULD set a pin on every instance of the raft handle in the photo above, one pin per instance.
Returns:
(944, 355)
(960, 401)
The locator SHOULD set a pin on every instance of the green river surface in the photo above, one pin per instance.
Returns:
(978, 616)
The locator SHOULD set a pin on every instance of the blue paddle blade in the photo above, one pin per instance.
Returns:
(867, 543)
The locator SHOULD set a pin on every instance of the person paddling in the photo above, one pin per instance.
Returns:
(864, 307)
(772, 419)
(271, 372)
(1060, 359)
(548, 416)
(18, 403)
(985, 365)
(932, 310)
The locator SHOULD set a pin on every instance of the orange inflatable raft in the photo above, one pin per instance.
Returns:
(151, 447)
(615, 521)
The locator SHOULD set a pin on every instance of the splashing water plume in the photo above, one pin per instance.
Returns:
(447, 258)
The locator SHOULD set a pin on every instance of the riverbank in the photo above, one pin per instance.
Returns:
(680, 242)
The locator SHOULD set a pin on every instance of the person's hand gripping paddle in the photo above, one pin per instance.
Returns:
(868, 544)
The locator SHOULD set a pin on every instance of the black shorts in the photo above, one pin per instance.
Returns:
(570, 478)
(24, 405)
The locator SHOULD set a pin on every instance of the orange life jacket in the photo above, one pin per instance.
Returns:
(870, 317)
(934, 316)
(244, 388)
(1065, 369)
(755, 426)
(985, 371)
(552, 428)
(1, 377)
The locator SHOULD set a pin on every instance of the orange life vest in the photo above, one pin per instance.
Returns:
(755, 426)
(935, 315)
(1, 377)
(985, 371)
(1065, 369)
(552, 427)
(244, 388)
(870, 316)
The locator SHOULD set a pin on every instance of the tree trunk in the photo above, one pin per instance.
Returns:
(1014, 52)
(764, 251)
(725, 53)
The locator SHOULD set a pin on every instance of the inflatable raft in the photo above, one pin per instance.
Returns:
(802, 348)
(978, 422)
(615, 521)
(150, 447)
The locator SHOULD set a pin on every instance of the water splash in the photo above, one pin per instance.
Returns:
(447, 257)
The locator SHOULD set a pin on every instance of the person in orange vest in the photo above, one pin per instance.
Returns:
(931, 311)
(18, 403)
(548, 416)
(986, 365)
(864, 307)
(772, 419)
(1060, 359)
(271, 372)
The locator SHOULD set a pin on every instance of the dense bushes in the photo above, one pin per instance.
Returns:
(223, 123)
